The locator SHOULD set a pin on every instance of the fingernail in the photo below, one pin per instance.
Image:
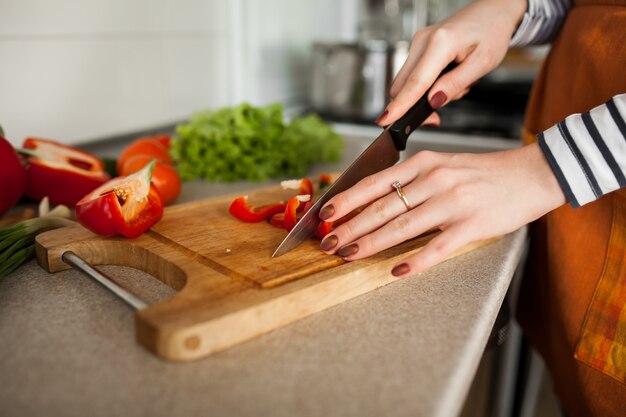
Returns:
(348, 250)
(329, 242)
(327, 212)
(401, 269)
(382, 117)
(438, 99)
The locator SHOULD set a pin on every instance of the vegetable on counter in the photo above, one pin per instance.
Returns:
(164, 177)
(142, 151)
(62, 173)
(125, 205)
(155, 146)
(17, 242)
(13, 179)
(252, 143)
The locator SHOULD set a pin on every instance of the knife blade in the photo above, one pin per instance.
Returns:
(382, 153)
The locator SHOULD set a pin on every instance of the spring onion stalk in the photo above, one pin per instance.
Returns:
(17, 241)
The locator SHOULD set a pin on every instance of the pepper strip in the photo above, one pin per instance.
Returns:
(241, 209)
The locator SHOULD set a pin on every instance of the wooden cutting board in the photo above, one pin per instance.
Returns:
(229, 287)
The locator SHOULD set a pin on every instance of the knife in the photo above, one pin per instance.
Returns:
(380, 154)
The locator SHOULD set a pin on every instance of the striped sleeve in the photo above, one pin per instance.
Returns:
(587, 152)
(541, 22)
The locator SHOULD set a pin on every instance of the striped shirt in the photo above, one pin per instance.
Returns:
(587, 152)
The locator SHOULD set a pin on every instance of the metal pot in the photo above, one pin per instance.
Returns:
(351, 80)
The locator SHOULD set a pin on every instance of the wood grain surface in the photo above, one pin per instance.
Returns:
(229, 287)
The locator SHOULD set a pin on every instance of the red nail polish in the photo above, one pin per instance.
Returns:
(328, 243)
(348, 250)
(438, 100)
(401, 269)
(382, 117)
(326, 212)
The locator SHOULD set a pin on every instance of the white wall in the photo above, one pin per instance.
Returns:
(79, 70)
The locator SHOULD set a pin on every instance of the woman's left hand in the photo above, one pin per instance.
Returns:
(469, 197)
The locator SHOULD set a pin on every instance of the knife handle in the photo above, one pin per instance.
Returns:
(414, 117)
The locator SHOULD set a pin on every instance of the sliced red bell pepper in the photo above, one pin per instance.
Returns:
(304, 187)
(323, 228)
(299, 203)
(63, 173)
(125, 205)
(241, 209)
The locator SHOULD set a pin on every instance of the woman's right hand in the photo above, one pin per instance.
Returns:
(476, 38)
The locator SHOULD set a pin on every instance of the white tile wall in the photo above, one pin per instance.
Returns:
(276, 39)
(77, 70)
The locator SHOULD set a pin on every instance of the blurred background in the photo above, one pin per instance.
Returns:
(79, 71)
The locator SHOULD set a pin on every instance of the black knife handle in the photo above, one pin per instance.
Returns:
(414, 117)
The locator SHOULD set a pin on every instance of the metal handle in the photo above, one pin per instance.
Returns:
(86, 268)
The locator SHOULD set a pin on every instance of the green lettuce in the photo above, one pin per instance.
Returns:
(252, 143)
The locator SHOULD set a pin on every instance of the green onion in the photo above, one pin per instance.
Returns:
(17, 242)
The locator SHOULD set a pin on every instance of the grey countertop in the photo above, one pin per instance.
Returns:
(407, 349)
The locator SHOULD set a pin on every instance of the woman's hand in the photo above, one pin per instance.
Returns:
(476, 38)
(469, 197)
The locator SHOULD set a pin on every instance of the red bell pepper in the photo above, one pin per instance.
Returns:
(63, 173)
(323, 228)
(12, 176)
(125, 205)
(304, 186)
(247, 213)
(299, 203)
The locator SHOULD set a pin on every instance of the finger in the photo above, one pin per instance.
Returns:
(454, 83)
(377, 214)
(404, 227)
(461, 95)
(423, 75)
(417, 49)
(433, 120)
(375, 186)
(440, 248)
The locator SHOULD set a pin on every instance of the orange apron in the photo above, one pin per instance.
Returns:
(573, 298)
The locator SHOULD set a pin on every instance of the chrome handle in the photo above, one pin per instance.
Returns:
(86, 268)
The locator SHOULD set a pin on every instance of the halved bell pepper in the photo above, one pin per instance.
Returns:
(125, 205)
(241, 209)
(63, 173)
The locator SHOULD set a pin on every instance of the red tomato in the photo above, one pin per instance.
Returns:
(164, 140)
(143, 146)
(164, 177)
(13, 178)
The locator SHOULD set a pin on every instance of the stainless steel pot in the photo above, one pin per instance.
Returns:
(351, 81)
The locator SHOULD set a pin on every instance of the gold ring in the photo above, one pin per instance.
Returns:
(401, 194)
